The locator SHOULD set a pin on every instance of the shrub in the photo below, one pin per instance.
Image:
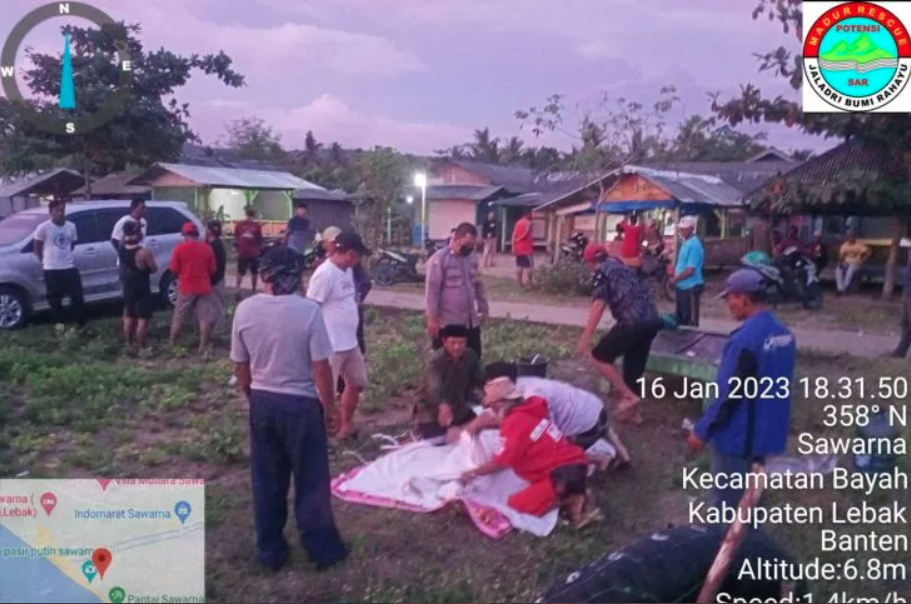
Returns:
(565, 277)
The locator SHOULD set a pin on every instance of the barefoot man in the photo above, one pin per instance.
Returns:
(616, 287)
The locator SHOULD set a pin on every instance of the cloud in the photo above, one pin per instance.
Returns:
(331, 119)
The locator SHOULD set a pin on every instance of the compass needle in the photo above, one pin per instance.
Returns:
(67, 90)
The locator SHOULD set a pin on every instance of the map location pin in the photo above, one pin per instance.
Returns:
(182, 509)
(117, 595)
(102, 560)
(88, 569)
(104, 482)
(48, 502)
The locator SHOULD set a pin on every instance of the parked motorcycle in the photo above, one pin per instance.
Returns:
(312, 255)
(793, 277)
(432, 247)
(574, 247)
(395, 266)
(657, 270)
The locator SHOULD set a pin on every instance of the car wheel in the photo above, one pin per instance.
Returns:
(167, 288)
(14, 307)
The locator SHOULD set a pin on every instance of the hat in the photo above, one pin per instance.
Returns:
(593, 252)
(687, 222)
(330, 233)
(350, 241)
(189, 228)
(501, 389)
(454, 331)
(744, 281)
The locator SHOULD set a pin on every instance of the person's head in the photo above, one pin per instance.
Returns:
(301, 209)
(745, 293)
(501, 369)
(502, 395)
(190, 231)
(250, 212)
(132, 233)
(464, 239)
(327, 238)
(348, 250)
(455, 340)
(213, 229)
(527, 213)
(138, 208)
(280, 269)
(793, 232)
(594, 254)
(687, 226)
(57, 210)
(851, 236)
(634, 218)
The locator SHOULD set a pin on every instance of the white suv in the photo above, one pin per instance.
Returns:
(22, 290)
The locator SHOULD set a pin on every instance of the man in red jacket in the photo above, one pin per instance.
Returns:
(535, 449)
(193, 264)
(523, 248)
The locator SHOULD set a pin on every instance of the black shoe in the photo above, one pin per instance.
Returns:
(275, 566)
(327, 564)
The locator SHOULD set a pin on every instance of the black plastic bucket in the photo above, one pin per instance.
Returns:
(534, 366)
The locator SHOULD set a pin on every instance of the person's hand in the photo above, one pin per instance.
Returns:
(433, 327)
(444, 416)
(453, 435)
(694, 443)
(583, 348)
(468, 476)
(482, 318)
(332, 419)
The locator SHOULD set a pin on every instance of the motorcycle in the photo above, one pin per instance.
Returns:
(432, 247)
(657, 270)
(793, 277)
(394, 266)
(574, 247)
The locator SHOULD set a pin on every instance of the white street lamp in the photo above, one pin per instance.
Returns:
(420, 181)
(409, 200)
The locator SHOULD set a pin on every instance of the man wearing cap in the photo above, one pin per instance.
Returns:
(193, 264)
(281, 353)
(688, 275)
(750, 419)
(454, 292)
(452, 384)
(332, 287)
(630, 301)
(535, 449)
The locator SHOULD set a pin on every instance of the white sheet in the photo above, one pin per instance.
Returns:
(427, 476)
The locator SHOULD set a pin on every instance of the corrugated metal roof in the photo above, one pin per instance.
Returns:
(116, 184)
(24, 186)
(321, 195)
(743, 176)
(229, 177)
(466, 192)
(691, 188)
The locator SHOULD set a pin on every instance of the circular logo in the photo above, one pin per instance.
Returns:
(68, 117)
(857, 57)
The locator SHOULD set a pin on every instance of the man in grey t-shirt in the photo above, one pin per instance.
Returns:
(281, 353)
(298, 234)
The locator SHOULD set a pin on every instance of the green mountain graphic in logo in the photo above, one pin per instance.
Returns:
(861, 55)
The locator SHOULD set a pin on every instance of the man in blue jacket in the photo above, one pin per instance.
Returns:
(750, 419)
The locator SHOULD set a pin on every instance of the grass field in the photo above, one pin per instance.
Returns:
(73, 407)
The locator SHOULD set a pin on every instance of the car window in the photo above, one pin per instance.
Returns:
(106, 219)
(87, 230)
(18, 227)
(164, 221)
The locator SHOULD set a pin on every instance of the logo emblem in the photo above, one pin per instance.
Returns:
(856, 58)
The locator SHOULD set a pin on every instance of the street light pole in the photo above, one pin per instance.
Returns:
(420, 180)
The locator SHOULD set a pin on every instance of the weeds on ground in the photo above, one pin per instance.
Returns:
(564, 277)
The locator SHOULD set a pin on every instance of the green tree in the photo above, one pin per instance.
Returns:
(485, 147)
(252, 138)
(703, 139)
(382, 175)
(802, 154)
(513, 151)
(892, 131)
(311, 147)
(146, 130)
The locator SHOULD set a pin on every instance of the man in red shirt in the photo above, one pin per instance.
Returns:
(535, 449)
(248, 237)
(193, 264)
(523, 248)
(631, 247)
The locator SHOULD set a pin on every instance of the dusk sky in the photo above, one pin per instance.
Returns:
(421, 75)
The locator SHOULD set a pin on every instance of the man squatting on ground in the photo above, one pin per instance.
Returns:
(281, 352)
(535, 449)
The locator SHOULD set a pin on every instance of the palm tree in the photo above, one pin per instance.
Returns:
(484, 148)
(513, 151)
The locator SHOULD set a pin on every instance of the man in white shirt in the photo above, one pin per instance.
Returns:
(53, 244)
(137, 214)
(578, 413)
(332, 287)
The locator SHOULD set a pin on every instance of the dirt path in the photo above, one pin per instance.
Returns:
(830, 341)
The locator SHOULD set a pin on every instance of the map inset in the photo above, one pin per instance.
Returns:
(102, 541)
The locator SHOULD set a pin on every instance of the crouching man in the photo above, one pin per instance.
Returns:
(535, 449)
(452, 385)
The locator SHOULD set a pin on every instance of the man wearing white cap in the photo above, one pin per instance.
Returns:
(688, 275)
